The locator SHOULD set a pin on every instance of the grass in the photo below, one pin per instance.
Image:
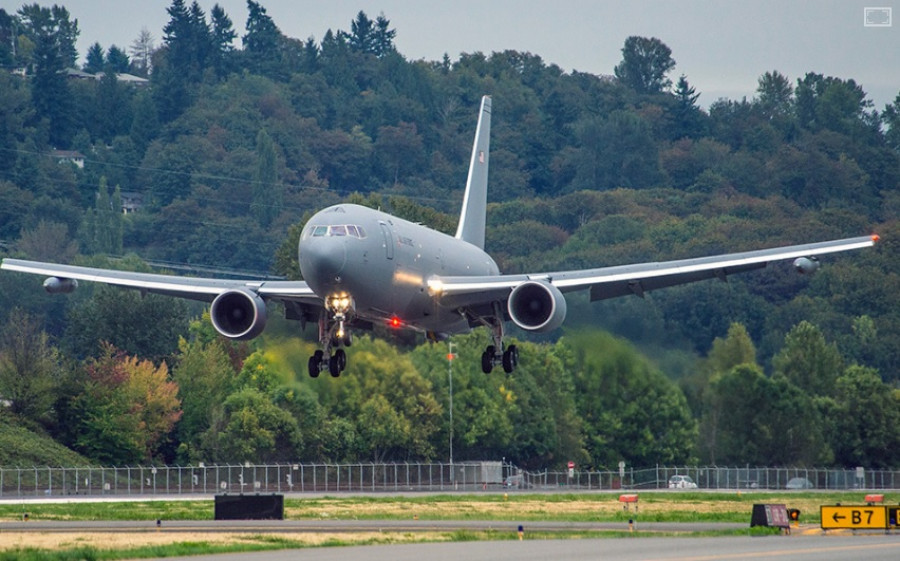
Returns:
(514, 507)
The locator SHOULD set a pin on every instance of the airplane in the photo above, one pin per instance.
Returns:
(362, 267)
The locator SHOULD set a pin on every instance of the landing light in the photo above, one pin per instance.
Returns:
(435, 286)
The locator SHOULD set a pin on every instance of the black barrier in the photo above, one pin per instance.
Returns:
(769, 515)
(249, 507)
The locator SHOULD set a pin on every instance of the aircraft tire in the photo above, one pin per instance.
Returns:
(510, 359)
(341, 356)
(314, 366)
(334, 366)
(487, 360)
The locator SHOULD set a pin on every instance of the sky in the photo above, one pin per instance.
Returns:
(722, 47)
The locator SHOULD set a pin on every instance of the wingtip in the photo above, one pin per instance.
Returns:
(875, 238)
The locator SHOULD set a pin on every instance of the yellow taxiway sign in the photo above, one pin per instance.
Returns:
(854, 517)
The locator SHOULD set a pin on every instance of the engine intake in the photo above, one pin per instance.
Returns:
(537, 306)
(238, 314)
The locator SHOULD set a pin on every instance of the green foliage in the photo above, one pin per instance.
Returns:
(645, 63)
(123, 411)
(629, 409)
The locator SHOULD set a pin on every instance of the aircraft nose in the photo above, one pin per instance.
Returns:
(323, 260)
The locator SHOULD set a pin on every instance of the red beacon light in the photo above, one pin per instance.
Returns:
(394, 322)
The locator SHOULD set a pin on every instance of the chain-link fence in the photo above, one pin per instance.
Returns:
(414, 477)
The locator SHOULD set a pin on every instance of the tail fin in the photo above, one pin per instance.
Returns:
(474, 209)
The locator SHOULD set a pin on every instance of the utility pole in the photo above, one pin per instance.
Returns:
(450, 357)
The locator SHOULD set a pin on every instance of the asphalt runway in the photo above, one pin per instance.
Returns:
(808, 544)
(802, 548)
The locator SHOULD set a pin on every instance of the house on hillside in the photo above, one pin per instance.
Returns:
(68, 156)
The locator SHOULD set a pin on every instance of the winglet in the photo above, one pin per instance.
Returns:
(474, 210)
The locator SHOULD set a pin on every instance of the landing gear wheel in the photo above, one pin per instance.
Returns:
(315, 363)
(337, 363)
(341, 358)
(510, 359)
(487, 360)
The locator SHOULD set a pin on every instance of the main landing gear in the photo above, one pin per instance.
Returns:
(496, 355)
(332, 335)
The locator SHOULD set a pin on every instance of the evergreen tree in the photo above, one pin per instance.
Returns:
(222, 37)
(384, 37)
(54, 38)
(117, 60)
(95, 61)
(262, 42)
(362, 34)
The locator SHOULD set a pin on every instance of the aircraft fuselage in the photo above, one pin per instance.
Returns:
(384, 264)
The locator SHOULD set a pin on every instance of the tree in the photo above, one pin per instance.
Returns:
(808, 361)
(141, 50)
(254, 429)
(262, 42)
(384, 37)
(103, 226)
(222, 37)
(268, 192)
(95, 59)
(126, 409)
(49, 241)
(54, 38)
(866, 418)
(362, 34)
(688, 117)
(117, 60)
(775, 94)
(630, 410)
(29, 368)
(645, 63)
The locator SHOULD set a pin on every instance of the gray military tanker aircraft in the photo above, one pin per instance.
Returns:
(363, 267)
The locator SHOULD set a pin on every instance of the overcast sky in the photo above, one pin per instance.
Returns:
(721, 46)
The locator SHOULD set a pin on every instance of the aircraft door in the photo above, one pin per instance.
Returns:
(388, 240)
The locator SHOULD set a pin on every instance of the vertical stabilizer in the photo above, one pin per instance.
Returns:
(474, 208)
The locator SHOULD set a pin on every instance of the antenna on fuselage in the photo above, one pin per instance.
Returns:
(474, 209)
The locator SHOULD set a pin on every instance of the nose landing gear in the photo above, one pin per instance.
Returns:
(333, 334)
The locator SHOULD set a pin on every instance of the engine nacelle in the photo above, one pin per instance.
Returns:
(537, 306)
(57, 285)
(806, 265)
(238, 314)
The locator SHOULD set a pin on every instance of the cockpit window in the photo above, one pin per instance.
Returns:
(337, 230)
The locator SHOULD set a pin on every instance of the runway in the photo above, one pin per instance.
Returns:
(800, 548)
(644, 544)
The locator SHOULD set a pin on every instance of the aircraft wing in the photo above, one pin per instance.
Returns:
(193, 288)
(622, 280)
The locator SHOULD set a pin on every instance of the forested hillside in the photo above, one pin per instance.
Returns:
(222, 152)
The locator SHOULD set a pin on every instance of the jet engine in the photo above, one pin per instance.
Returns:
(537, 306)
(238, 314)
(56, 285)
(806, 265)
